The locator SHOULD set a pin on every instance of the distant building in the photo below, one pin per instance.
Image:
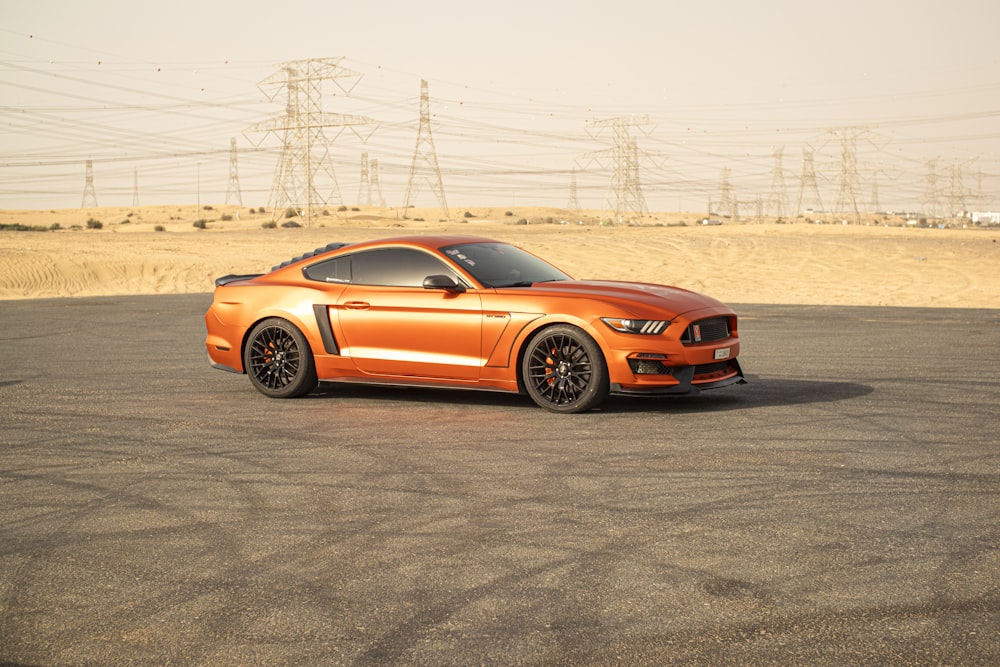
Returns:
(985, 217)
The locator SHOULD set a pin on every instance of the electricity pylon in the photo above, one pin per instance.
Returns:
(574, 199)
(778, 200)
(426, 155)
(625, 193)
(807, 181)
(874, 202)
(89, 194)
(847, 200)
(305, 150)
(931, 192)
(958, 195)
(233, 193)
(365, 183)
(376, 183)
(726, 205)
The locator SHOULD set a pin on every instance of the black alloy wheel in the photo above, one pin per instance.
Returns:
(278, 360)
(563, 370)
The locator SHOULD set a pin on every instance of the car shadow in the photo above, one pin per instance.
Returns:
(759, 392)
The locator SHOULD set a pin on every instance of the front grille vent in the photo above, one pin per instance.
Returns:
(706, 331)
(648, 367)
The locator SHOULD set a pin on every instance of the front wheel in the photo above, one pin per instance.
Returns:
(564, 370)
(278, 360)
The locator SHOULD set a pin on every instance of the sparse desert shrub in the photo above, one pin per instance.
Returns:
(341, 208)
(290, 213)
(159, 228)
(325, 212)
(291, 224)
(206, 207)
(18, 227)
(467, 214)
(55, 226)
(94, 223)
(270, 224)
(509, 213)
(200, 223)
(522, 221)
(225, 217)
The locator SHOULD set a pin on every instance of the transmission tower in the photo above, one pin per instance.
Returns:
(135, 187)
(233, 193)
(874, 203)
(807, 182)
(89, 194)
(932, 195)
(847, 202)
(727, 202)
(376, 183)
(574, 200)
(625, 193)
(365, 184)
(424, 153)
(305, 151)
(778, 201)
(956, 192)
(634, 184)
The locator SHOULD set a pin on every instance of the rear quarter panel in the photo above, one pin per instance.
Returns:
(237, 307)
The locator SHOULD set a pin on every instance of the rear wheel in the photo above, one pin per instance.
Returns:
(564, 370)
(278, 360)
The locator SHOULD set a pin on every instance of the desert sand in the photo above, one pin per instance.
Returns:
(159, 250)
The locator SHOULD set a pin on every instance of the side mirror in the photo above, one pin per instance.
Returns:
(443, 282)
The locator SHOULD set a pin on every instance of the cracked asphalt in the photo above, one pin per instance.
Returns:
(842, 508)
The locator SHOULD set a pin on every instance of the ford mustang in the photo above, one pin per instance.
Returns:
(460, 311)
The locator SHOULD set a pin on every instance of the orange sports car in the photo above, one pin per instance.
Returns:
(458, 311)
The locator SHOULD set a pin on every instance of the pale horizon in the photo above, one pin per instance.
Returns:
(898, 102)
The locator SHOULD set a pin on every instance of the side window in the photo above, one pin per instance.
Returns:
(395, 267)
(337, 270)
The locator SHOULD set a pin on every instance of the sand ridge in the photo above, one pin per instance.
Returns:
(158, 250)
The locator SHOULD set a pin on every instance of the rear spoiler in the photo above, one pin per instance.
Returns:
(233, 277)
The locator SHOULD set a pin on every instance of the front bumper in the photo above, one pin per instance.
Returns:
(689, 380)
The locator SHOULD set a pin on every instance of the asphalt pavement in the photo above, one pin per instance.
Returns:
(841, 508)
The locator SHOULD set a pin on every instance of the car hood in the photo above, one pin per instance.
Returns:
(629, 295)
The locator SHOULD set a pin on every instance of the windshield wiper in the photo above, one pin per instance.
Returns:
(521, 283)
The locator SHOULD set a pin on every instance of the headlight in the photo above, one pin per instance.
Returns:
(646, 327)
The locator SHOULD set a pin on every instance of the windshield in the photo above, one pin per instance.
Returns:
(502, 265)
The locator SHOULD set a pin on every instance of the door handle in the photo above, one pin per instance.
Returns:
(357, 305)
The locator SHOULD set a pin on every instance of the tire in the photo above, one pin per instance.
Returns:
(278, 360)
(563, 370)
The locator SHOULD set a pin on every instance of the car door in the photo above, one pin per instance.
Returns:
(393, 326)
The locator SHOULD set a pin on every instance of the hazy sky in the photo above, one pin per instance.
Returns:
(154, 93)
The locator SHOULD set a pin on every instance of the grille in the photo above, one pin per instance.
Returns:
(706, 331)
(648, 367)
(712, 371)
(708, 369)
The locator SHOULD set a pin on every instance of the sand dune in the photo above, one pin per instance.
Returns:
(738, 262)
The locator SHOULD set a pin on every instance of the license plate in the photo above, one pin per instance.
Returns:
(722, 353)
